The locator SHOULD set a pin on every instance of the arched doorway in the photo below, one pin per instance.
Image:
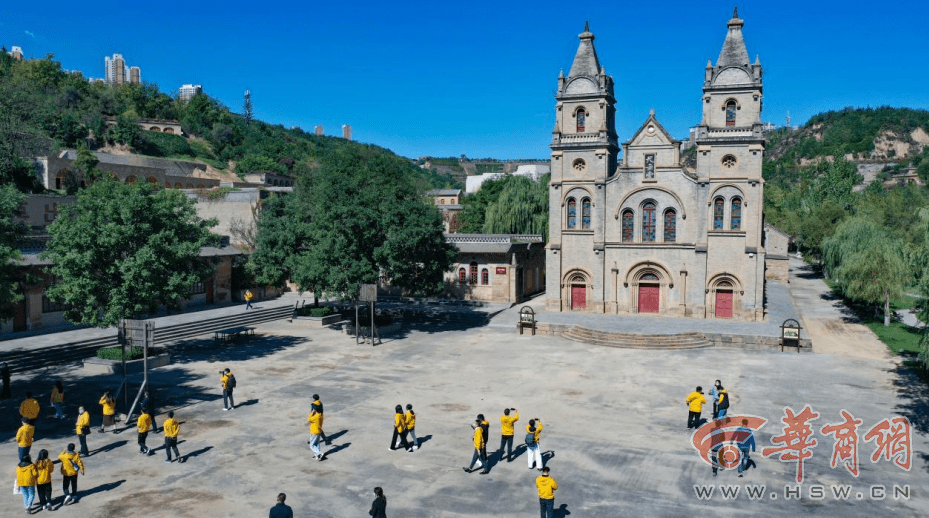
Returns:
(649, 293)
(578, 292)
(724, 300)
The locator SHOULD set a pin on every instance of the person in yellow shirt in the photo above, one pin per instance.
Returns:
(29, 409)
(546, 486)
(533, 448)
(400, 430)
(410, 419)
(109, 412)
(228, 382)
(695, 401)
(318, 406)
(506, 432)
(485, 427)
(144, 425)
(248, 298)
(479, 444)
(82, 428)
(316, 428)
(24, 438)
(26, 475)
(58, 399)
(71, 463)
(45, 468)
(171, 429)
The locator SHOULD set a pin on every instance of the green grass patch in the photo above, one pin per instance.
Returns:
(116, 353)
(898, 337)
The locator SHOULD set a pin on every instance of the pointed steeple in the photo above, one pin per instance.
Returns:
(585, 61)
(733, 52)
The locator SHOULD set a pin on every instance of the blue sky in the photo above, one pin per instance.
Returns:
(442, 79)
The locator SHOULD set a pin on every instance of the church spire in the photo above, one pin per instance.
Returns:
(733, 52)
(585, 61)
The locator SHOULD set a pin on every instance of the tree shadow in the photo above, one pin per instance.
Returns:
(428, 316)
(206, 349)
(101, 488)
(561, 511)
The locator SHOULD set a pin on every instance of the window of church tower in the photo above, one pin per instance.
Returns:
(719, 208)
(670, 226)
(628, 225)
(729, 161)
(579, 165)
(581, 120)
(730, 112)
(585, 213)
(648, 222)
(572, 213)
(735, 214)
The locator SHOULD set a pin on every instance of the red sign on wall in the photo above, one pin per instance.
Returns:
(501, 270)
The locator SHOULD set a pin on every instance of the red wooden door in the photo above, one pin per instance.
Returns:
(724, 304)
(578, 296)
(19, 316)
(648, 298)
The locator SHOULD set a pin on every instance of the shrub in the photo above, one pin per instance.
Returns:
(307, 311)
(164, 144)
(116, 353)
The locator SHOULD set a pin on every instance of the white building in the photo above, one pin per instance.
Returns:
(533, 172)
(187, 92)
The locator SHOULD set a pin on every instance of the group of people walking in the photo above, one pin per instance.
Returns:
(507, 431)
(695, 401)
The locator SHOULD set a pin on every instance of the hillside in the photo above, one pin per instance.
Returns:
(877, 140)
(44, 109)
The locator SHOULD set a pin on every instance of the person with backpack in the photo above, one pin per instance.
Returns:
(532, 445)
(507, 423)
(479, 445)
(248, 298)
(57, 399)
(399, 430)
(722, 407)
(148, 406)
(485, 430)
(410, 419)
(715, 395)
(45, 467)
(318, 406)
(109, 412)
(71, 463)
(228, 382)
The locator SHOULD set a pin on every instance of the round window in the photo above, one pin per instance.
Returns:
(579, 164)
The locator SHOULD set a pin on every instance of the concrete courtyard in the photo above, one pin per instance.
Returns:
(614, 422)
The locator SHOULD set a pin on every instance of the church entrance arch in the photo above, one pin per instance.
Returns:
(576, 288)
(724, 296)
(649, 293)
(724, 300)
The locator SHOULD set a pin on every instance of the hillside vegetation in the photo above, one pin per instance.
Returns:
(44, 109)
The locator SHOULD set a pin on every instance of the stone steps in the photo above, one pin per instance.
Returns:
(637, 341)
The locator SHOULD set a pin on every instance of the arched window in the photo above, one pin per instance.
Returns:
(730, 112)
(442, 201)
(585, 213)
(649, 277)
(735, 214)
(473, 273)
(485, 276)
(581, 120)
(670, 226)
(572, 213)
(462, 276)
(628, 225)
(719, 208)
(648, 222)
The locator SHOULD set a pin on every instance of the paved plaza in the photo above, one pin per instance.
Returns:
(614, 420)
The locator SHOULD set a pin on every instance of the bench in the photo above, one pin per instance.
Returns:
(230, 334)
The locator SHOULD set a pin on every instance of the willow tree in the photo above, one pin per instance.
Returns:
(867, 262)
(521, 208)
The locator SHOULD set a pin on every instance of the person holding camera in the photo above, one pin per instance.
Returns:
(507, 431)
(109, 412)
(82, 428)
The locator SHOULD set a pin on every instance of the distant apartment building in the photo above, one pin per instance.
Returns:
(346, 131)
(318, 130)
(17, 53)
(187, 92)
(117, 73)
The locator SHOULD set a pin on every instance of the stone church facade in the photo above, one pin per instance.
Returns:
(632, 229)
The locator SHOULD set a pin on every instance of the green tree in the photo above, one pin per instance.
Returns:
(521, 208)
(11, 234)
(474, 206)
(125, 250)
(350, 221)
(867, 262)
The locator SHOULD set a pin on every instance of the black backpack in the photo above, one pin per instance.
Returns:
(230, 382)
(530, 439)
(724, 401)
